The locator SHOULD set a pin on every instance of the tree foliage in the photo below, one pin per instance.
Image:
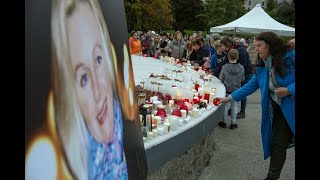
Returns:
(148, 14)
(188, 14)
(220, 12)
(271, 5)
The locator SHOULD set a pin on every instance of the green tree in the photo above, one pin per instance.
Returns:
(148, 14)
(223, 11)
(286, 14)
(271, 5)
(188, 14)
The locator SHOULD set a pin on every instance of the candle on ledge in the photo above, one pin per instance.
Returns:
(196, 99)
(195, 113)
(150, 135)
(178, 95)
(183, 113)
(158, 119)
(160, 131)
(155, 132)
(166, 127)
(180, 122)
(211, 98)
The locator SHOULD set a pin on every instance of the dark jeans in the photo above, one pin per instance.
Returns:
(281, 136)
(244, 100)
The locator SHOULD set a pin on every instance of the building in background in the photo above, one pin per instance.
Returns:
(249, 4)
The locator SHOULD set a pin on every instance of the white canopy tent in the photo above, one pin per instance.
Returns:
(255, 22)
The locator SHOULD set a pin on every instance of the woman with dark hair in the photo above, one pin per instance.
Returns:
(275, 76)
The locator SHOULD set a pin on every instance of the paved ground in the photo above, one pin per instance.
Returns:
(238, 153)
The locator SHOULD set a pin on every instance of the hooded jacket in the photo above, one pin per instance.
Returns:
(231, 76)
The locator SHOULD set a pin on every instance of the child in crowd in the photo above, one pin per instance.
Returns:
(231, 76)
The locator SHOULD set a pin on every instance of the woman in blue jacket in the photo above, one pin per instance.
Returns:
(275, 76)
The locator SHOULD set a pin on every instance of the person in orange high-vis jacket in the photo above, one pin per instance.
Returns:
(134, 43)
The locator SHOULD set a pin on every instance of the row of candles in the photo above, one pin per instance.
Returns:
(160, 123)
(187, 97)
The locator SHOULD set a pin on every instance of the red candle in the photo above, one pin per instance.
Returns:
(196, 86)
(215, 101)
(199, 96)
(196, 68)
(186, 100)
(207, 96)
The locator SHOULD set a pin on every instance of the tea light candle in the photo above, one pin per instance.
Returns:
(166, 127)
(195, 113)
(158, 119)
(160, 131)
(180, 122)
(171, 101)
(150, 135)
(178, 95)
(155, 132)
(196, 99)
(185, 121)
(183, 113)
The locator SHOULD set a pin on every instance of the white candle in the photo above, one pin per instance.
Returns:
(196, 94)
(158, 118)
(171, 101)
(213, 90)
(156, 104)
(155, 132)
(160, 131)
(174, 122)
(178, 95)
(195, 113)
(211, 98)
(166, 127)
(150, 135)
(180, 122)
(183, 113)
(185, 121)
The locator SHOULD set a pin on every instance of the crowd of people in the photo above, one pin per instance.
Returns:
(228, 59)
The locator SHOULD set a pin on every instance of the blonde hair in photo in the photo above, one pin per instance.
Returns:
(71, 125)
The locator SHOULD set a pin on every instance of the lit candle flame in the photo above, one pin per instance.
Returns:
(44, 157)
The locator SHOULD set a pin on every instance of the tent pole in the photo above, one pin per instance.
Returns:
(234, 32)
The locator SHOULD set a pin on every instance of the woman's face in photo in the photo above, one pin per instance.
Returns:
(92, 82)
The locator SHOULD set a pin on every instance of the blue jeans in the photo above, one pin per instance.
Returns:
(233, 105)
(244, 100)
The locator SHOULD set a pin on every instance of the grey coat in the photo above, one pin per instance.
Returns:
(231, 76)
(177, 48)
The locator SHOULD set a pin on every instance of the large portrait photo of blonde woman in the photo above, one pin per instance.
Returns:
(88, 113)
